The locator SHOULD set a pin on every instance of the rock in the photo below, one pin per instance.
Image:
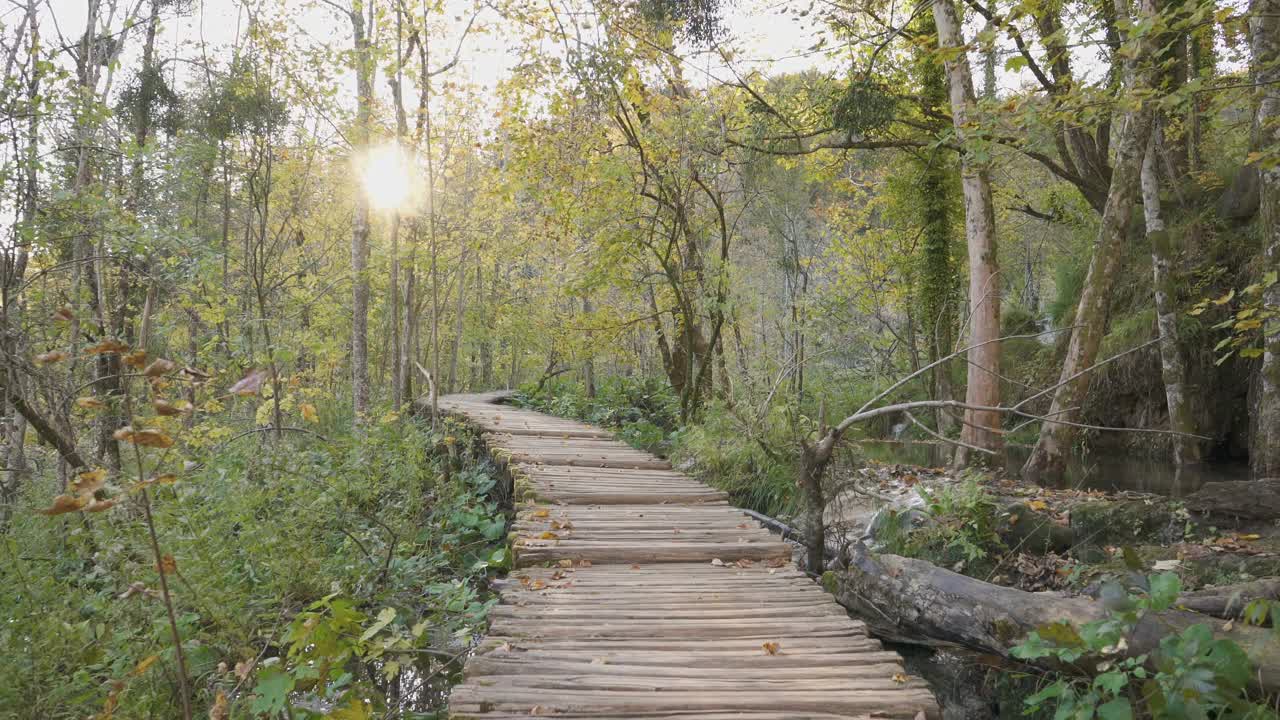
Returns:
(1240, 201)
(1254, 499)
(1123, 521)
(1030, 531)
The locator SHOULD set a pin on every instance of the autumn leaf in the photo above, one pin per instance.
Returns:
(99, 505)
(160, 367)
(145, 663)
(219, 710)
(150, 438)
(89, 482)
(64, 313)
(899, 678)
(1038, 505)
(548, 535)
(771, 648)
(65, 504)
(164, 407)
(168, 565)
(163, 479)
(106, 346)
(248, 385)
(309, 413)
(51, 357)
(90, 403)
(136, 359)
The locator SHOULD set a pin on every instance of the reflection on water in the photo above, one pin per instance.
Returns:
(1090, 472)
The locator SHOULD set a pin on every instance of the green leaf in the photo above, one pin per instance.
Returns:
(1116, 709)
(1112, 682)
(272, 690)
(384, 619)
(1164, 590)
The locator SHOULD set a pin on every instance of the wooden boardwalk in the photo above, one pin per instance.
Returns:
(639, 592)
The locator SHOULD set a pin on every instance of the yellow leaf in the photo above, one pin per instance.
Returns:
(219, 710)
(106, 346)
(89, 482)
(899, 678)
(1251, 536)
(541, 513)
(771, 648)
(548, 536)
(1038, 505)
(90, 403)
(1225, 298)
(145, 663)
(65, 504)
(309, 413)
(136, 359)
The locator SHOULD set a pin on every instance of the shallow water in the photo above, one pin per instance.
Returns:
(1090, 472)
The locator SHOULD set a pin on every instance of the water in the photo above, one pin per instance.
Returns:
(1107, 472)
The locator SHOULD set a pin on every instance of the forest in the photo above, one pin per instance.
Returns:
(974, 299)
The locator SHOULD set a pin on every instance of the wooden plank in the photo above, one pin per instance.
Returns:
(639, 592)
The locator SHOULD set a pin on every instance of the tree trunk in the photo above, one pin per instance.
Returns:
(915, 601)
(981, 427)
(360, 220)
(1264, 451)
(589, 367)
(1048, 460)
(1173, 366)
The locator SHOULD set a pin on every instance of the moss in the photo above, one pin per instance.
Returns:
(829, 582)
(1101, 522)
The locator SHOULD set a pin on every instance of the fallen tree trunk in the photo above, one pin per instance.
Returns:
(915, 601)
(1229, 601)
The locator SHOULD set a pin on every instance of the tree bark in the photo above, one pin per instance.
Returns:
(1264, 24)
(360, 218)
(984, 286)
(1177, 390)
(1048, 460)
(915, 601)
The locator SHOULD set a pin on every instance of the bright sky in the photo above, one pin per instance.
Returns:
(757, 25)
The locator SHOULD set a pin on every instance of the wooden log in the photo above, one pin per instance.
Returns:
(916, 601)
(1228, 601)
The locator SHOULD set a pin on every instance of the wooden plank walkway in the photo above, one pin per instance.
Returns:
(639, 592)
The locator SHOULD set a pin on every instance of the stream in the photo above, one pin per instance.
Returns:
(1107, 472)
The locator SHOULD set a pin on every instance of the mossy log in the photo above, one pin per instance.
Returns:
(915, 601)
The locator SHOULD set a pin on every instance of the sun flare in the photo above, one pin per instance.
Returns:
(387, 177)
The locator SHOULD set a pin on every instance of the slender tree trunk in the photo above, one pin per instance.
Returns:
(1264, 453)
(981, 427)
(1048, 459)
(1174, 368)
(589, 367)
(360, 218)
(458, 324)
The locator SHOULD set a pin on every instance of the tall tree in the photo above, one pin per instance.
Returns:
(982, 427)
(1264, 26)
(1057, 434)
(361, 17)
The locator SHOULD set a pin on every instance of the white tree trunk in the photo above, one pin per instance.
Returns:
(1173, 366)
(981, 427)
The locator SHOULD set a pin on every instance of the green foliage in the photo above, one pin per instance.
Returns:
(1191, 675)
(272, 544)
(960, 531)
(755, 468)
(864, 108)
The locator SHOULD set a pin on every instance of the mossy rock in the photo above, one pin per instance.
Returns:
(1029, 531)
(1117, 522)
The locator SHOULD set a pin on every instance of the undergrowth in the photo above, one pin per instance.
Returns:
(308, 575)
